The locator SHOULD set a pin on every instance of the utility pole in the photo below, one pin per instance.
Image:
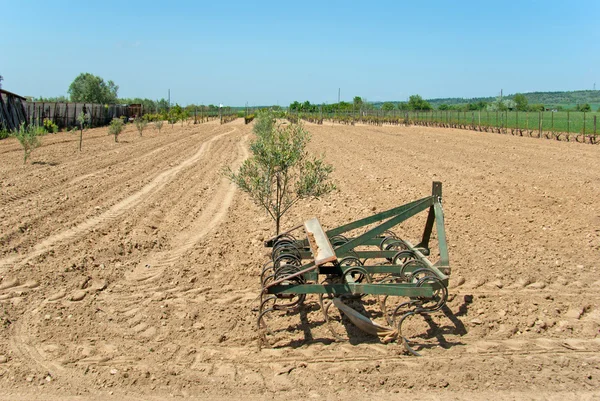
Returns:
(339, 91)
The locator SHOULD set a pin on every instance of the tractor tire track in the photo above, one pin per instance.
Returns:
(130, 313)
(116, 210)
(121, 172)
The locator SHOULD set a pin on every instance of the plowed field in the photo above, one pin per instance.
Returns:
(131, 269)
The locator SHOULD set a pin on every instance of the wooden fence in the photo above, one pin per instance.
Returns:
(15, 110)
(65, 114)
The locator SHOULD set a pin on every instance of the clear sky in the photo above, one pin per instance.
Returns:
(274, 52)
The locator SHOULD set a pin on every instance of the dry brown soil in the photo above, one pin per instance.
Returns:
(131, 269)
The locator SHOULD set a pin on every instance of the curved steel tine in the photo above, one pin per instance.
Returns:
(405, 342)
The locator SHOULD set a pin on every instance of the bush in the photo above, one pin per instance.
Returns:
(29, 139)
(248, 119)
(115, 128)
(584, 107)
(49, 126)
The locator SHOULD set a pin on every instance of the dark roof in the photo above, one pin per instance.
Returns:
(11, 94)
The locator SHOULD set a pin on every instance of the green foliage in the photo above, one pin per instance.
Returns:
(81, 119)
(416, 102)
(148, 105)
(521, 102)
(158, 125)
(501, 104)
(568, 99)
(90, 88)
(248, 119)
(584, 107)
(305, 107)
(49, 126)
(4, 134)
(175, 114)
(115, 128)
(388, 106)
(280, 172)
(155, 117)
(535, 107)
(183, 116)
(56, 99)
(29, 138)
(443, 106)
(140, 124)
(358, 102)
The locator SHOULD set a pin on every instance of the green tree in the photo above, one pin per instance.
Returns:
(403, 106)
(536, 107)
(358, 102)
(89, 88)
(584, 107)
(388, 106)
(29, 139)
(280, 171)
(416, 102)
(521, 102)
(443, 106)
(175, 114)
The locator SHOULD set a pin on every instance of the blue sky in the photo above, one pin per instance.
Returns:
(274, 52)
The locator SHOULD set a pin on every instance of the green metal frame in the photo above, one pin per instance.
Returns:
(372, 237)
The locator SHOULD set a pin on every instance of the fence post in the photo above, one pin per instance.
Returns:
(66, 118)
(552, 128)
(568, 122)
(517, 119)
(540, 122)
(594, 125)
(584, 123)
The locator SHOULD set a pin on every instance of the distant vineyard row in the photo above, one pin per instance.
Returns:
(575, 126)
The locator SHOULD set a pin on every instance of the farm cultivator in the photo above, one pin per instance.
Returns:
(348, 270)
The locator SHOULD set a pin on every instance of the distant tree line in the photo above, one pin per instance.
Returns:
(415, 102)
(516, 102)
(89, 88)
